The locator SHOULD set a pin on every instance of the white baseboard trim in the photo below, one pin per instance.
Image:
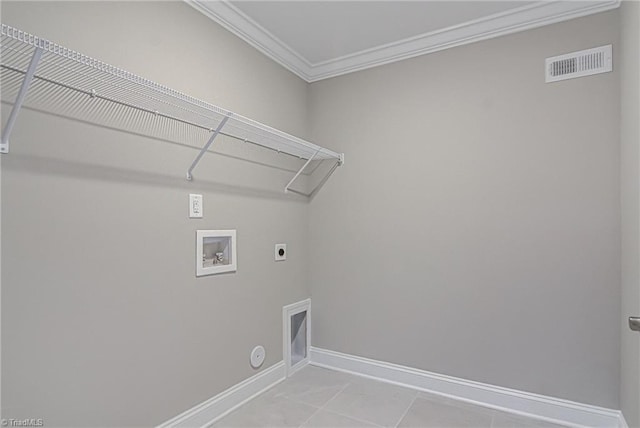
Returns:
(524, 403)
(207, 412)
(623, 421)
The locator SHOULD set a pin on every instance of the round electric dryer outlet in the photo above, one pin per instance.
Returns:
(257, 356)
(281, 252)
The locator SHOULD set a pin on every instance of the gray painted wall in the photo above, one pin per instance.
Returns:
(630, 192)
(103, 320)
(475, 229)
(473, 232)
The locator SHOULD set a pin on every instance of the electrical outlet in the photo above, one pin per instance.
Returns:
(195, 206)
(281, 252)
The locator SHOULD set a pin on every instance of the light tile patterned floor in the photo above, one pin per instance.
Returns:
(316, 397)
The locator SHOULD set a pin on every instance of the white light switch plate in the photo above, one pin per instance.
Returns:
(195, 206)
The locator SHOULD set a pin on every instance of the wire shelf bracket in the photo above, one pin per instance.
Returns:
(320, 184)
(286, 188)
(21, 53)
(17, 105)
(207, 145)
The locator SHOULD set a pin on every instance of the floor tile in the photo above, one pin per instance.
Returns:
(327, 419)
(509, 420)
(268, 411)
(317, 397)
(376, 402)
(312, 385)
(431, 414)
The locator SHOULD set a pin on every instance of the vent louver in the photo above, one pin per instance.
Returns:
(579, 64)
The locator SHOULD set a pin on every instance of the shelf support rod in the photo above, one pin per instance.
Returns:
(320, 184)
(22, 93)
(206, 146)
(286, 188)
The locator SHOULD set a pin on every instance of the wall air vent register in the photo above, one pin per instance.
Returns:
(579, 64)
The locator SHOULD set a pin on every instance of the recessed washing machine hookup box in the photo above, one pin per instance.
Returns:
(215, 252)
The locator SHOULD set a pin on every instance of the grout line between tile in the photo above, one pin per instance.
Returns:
(354, 418)
(335, 395)
(323, 406)
(309, 418)
(406, 411)
(342, 414)
(493, 418)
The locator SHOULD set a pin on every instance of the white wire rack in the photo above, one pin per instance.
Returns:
(26, 58)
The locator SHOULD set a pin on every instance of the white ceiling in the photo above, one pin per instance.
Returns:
(322, 39)
(320, 31)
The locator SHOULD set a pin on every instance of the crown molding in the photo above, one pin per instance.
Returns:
(512, 21)
(241, 25)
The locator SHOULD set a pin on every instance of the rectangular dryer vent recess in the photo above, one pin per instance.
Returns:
(579, 64)
(296, 322)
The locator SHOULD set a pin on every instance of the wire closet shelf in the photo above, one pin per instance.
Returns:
(39, 59)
